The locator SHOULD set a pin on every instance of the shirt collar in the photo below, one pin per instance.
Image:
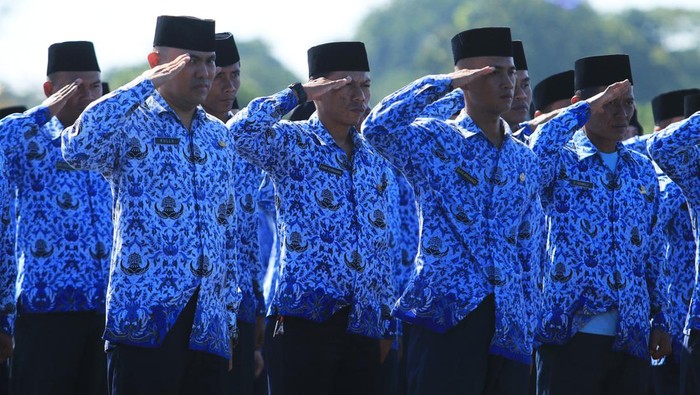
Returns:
(584, 148)
(468, 128)
(324, 136)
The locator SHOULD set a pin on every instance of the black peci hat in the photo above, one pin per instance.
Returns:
(670, 104)
(519, 55)
(486, 41)
(553, 88)
(337, 56)
(226, 50)
(604, 70)
(185, 32)
(72, 56)
(691, 105)
(11, 110)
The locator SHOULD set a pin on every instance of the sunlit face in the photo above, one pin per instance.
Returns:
(493, 93)
(522, 97)
(190, 87)
(88, 91)
(223, 90)
(611, 124)
(346, 105)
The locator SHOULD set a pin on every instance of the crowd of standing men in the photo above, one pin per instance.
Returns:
(465, 235)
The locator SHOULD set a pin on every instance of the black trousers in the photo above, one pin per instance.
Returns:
(587, 365)
(240, 378)
(690, 364)
(172, 369)
(59, 353)
(458, 361)
(666, 378)
(320, 358)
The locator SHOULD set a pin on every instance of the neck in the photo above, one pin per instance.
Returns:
(603, 145)
(490, 124)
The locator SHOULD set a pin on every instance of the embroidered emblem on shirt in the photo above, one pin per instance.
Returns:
(466, 176)
(582, 184)
(330, 169)
(642, 190)
(222, 144)
(522, 177)
(167, 140)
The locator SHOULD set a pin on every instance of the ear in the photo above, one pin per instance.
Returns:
(48, 87)
(153, 59)
(575, 99)
(537, 113)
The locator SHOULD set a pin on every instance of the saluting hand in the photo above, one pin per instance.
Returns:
(464, 77)
(162, 73)
(58, 100)
(611, 93)
(320, 86)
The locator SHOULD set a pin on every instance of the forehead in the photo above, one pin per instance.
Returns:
(357, 76)
(483, 61)
(70, 76)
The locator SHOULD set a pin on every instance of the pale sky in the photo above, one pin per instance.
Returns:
(124, 35)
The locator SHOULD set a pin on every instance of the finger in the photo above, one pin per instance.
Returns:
(337, 84)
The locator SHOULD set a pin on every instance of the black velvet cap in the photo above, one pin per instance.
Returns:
(11, 110)
(602, 70)
(553, 88)
(670, 104)
(226, 50)
(337, 56)
(691, 105)
(485, 41)
(519, 55)
(72, 56)
(185, 32)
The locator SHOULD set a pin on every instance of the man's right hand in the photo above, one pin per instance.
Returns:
(162, 73)
(611, 93)
(5, 347)
(58, 100)
(464, 77)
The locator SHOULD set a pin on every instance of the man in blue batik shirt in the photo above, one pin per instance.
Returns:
(472, 302)
(172, 293)
(604, 288)
(62, 220)
(331, 303)
(251, 311)
(676, 150)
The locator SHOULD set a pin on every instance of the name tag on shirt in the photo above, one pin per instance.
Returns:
(582, 184)
(466, 176)
(167, 141)
(64, 166)
(330, 169)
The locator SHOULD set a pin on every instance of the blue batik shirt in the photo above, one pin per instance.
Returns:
(676, 150)
(479, 204)
(638, 143)
(174, 209)
(604, 246)
(62, 219)
(268, 238)
(250, 269)
(8, 268)
(408, 232)
(679, 262)
(445, 107)
(332, 216)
